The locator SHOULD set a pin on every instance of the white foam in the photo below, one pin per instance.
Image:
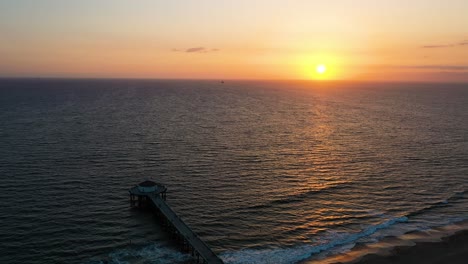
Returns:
(153, 253)
(298, 253)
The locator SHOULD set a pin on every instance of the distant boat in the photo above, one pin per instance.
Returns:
(222, 81)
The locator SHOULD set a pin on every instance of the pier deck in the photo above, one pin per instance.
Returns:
(205, 252)
(155, 198)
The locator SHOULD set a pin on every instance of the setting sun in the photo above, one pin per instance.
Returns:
(320, 66)
(321, 69)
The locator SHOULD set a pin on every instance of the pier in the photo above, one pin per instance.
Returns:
(152, 195)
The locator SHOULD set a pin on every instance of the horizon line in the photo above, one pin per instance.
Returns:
(227, 79)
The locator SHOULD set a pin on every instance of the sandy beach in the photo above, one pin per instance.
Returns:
(452, 249)
(443, 245)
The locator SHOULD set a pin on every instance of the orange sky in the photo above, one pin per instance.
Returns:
(356, 40)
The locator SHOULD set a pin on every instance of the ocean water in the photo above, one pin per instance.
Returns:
(263, 172)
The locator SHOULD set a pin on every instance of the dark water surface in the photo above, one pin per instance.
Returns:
(264, 172)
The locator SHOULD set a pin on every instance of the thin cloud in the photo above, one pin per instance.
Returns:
(441, 67)
(431, 67)
(196, 50)
(437, 46)
(463, 43)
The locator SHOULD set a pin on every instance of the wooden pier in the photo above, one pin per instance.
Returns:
(149, 194)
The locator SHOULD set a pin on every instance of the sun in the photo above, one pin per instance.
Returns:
(321, 69)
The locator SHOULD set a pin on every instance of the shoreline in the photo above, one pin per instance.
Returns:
(447, 244)
(452, 249)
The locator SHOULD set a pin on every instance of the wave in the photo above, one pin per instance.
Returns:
(302, 252)
(453, 198)
(153, 253)
(300, 197)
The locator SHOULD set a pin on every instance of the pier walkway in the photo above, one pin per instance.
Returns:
(192, 239)
(189, 241)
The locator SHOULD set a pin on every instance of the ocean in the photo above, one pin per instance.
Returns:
(263, 171)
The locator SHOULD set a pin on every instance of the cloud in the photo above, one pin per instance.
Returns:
(441, 67)
(431, 67)
(463, 43)
(437, 46)
(196, 50)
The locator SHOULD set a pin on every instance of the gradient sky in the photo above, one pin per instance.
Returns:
(395, 40)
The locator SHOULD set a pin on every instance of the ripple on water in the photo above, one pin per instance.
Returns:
(261, 171)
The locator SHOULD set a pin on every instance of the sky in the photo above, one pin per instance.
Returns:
(368, 40)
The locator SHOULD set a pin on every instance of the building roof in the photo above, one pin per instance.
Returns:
(147, 184)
